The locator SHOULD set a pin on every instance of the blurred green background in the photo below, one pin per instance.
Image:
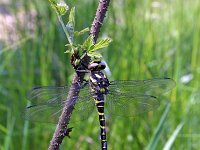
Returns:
(150, 39)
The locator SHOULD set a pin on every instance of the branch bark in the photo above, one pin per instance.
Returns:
(62, 129)
(98, 19)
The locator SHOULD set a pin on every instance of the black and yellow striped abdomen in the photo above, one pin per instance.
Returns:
(99, 87)
(100, 108)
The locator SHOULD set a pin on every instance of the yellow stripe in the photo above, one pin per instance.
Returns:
(102, 127)
(100, 106)
(102, 119)
(98, 76)
(101, 113)
(102, 90)
(93, 80)
(103, 140)
(97, 102)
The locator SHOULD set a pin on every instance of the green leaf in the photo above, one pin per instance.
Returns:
(76, 33)
(94, 55)
(72, 17)
(68, 51)
(92, 48)
(88, 43)
(71, 24)
(62, 7)
(70, 30)
(101, 44)
(53, 2)
(70, 48)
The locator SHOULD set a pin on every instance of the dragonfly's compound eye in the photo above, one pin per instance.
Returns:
(102, 66)
(93, 66)
(96, 66)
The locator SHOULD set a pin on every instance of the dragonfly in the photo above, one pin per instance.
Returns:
(125, 98)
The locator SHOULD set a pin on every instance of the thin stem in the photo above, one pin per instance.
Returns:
(64, 28)
(61, 22)
(98, 19)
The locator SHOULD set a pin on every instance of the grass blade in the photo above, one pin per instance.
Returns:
(173, 137)
(154, 140)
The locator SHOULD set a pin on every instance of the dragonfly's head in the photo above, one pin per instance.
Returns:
(96, 65)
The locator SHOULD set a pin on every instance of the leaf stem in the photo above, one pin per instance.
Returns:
(63, 26)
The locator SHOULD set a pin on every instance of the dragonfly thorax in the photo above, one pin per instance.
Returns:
(98, 83)
(98, 80)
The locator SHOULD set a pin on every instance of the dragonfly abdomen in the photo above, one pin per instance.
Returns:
(99, 101)
(99, 87)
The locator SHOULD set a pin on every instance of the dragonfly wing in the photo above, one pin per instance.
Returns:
(130, 105)
(42, 113)
(50, 94)
(154, 87)
(48, 102)
(50, 113)
(83, 109)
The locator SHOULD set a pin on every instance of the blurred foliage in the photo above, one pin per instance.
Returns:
(150, 39)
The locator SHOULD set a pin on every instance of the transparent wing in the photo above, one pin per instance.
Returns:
(48, 94)
(129, 105)
(129, 98)
(48, 102)
(153, 87)
(125, 98)
(42, 113)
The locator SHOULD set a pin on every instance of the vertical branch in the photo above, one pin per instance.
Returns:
(62, 129)
(98, 19)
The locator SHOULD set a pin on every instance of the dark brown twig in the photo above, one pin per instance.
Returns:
(62, 129)
(99, 17)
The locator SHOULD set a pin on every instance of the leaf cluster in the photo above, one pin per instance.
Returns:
(87, 47)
